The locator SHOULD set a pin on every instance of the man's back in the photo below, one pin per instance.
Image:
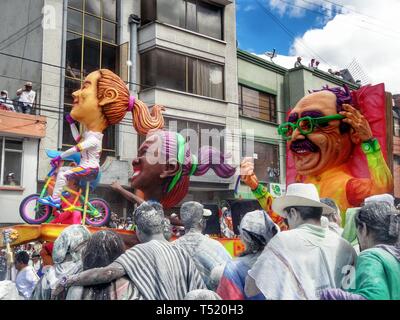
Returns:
(207, 253)
(161, 271)
(26, 281)
(297, 264)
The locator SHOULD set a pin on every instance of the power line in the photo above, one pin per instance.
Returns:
(18, 31)
(327, 9)
(384, 24)
(290, 33)
(127, 82)
(9, 44)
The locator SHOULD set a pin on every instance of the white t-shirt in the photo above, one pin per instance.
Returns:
(26, 281)
(27, 97)
(90, 145)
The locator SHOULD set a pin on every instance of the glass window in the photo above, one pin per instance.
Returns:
(11, 167)
(266, 166)
(191, 74)
(74, 20)
(69, 87)
(171, 70)
(148, 11)
(108, 138)
(13, 145)
(175, 71)
(109, 31)
(209, 20)
(172, 12)
(257, 104)
(73, 55)
(68, 139)
(76, 4)
(109, 57)
(209, 80)
(110, 9)
(93, 7)
(91, 56)
(148, 68)
(92, 26)
(191, 15)
(194, 15)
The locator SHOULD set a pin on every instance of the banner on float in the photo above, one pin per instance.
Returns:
(277, 189)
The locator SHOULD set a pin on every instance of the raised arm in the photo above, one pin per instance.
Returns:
(259, 191)
(91, 277)
(74, 129)
(126, 194)
(381, 179)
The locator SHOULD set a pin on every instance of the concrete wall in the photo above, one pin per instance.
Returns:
(11, 199)
(192, 107)
(300, 80)
(21, 35)
(52, 81)
(262, 75)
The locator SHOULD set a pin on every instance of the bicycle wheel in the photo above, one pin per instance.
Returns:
(32, 212)
(103, 216)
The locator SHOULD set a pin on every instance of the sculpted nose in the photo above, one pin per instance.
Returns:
(297, 135)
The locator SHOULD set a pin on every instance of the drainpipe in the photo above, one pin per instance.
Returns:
(134, 21)
(62, 73)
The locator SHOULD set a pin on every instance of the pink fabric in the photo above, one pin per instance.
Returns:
(371, 100)
(131, 103)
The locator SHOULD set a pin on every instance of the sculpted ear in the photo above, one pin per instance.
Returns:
(110, 95)
(170, 170)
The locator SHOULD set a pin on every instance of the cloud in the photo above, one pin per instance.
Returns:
(298, 8)
(249, 7)
(364, 30)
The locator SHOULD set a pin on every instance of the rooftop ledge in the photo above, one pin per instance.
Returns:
(22, 125)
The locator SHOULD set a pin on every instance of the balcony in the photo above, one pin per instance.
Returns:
(22, 125)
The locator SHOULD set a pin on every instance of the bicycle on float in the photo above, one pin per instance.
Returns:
(95, 212)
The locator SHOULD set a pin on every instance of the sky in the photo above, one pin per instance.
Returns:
(338, 33)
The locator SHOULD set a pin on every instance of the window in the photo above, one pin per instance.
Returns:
(10, 161)
(396, 127)
(91, 45)
(174, 71)
(197, 134)
(194, 15)
(266, 161)
(257, 104)
(206, 134)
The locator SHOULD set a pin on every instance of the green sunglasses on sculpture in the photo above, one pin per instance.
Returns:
(305, 125)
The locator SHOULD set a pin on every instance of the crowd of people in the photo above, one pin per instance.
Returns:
(311, 260)
(23, 102)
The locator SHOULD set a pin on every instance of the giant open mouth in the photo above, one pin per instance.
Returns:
(302, 147)
(136, 172)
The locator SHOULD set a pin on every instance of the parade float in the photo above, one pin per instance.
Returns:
(335, 140)
(104, 100)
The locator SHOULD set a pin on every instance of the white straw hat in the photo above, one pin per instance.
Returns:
(299, 195)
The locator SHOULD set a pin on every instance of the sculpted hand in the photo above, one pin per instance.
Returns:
(247, 173)
(69, 119)
(115, 186)
(55, 162)
(358, 122)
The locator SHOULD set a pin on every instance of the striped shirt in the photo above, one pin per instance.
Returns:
(161, 271)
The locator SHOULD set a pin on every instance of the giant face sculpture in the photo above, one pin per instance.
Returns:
(315, 136)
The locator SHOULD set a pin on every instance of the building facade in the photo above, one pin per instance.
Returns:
(177, 53)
